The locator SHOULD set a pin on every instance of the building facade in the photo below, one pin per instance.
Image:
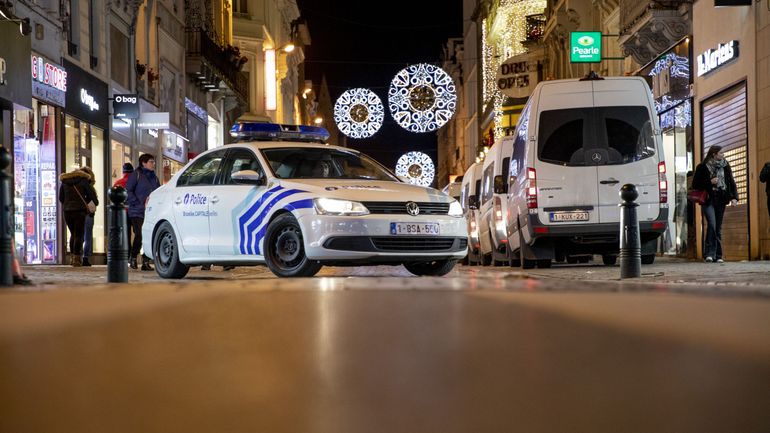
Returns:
(450, 141)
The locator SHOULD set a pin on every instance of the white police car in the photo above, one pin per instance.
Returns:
(280, 196)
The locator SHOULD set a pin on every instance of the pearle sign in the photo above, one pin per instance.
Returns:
(713, 58)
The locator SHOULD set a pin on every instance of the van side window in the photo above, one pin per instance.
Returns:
(464, 196)
(489, 174)
(520, 144)
(477, 190)
(506, 168)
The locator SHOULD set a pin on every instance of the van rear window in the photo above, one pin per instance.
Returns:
(595, 136)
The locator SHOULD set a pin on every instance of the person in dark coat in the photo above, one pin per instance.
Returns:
(128, 168)
(74, 193)
(715, 176)
(139, 187)
(88, 235)
(764, 177)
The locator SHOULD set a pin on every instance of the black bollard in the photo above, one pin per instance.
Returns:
(6, 221)
(117, 247)
(630, 244)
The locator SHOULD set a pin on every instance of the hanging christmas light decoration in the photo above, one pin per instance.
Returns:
(416, 166)
(359, 113)
(422, 98)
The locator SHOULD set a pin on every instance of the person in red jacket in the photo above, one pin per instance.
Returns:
(127, 170)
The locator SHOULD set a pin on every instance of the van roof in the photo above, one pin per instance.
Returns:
(610, 91)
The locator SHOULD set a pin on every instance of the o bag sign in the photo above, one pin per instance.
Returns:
(585, 47)
(714, 58)
(125, 107)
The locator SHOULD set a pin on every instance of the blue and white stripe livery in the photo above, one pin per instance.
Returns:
(251, 220)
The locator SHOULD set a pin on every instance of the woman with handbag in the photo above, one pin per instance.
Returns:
(88, 234)
(715, 177)
(77, 201)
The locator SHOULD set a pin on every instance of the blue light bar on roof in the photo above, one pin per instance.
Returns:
(247, 131)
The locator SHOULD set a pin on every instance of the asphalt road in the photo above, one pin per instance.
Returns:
(374, 350)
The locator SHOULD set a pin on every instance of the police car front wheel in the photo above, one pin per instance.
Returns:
(285, 250)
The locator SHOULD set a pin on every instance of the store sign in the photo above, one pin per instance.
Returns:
(15, 82)
(174, 147)
(87, 96)
(585, 47)
(517, 76)
(721, 3)
(153, 121)
(712, 59)
(49, 80)
(125, 106)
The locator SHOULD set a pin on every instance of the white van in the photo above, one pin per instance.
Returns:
(493, 208)
(576, 143)
(469, 198)
(453, 189)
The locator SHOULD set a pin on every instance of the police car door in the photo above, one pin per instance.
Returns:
(235, 205)
(191, 203)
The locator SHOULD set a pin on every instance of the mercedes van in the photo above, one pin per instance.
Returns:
(493, 237)
(469, 198)
(576, 143)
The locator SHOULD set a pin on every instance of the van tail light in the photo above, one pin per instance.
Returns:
(662, 182)
(531, 188)
(498, 209)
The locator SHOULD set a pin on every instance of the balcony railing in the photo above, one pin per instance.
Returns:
(200, 45)
(535, 26)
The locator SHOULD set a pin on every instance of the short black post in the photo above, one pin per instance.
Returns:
(6, 221)
(117, 247)
(630, 245)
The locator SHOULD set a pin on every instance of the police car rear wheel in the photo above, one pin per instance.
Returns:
(435, 268)
(285, 251)
(166, 253)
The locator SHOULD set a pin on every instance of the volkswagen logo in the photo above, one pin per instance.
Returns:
(412, 208)
(596, 157)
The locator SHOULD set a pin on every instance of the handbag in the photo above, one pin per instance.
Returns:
(697, 196)
(91, 206)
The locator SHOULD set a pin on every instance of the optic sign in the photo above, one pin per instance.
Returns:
(585, 47)
(49, 81)
(88, 100)
(125, 107)
(517, 76)
(714, 58)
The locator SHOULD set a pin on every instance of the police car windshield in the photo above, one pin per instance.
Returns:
(323, 163)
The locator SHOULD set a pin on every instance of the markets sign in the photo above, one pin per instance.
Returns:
(714, 58)
(517, 76)
(49, 80)
(125, 106)
(585, 47)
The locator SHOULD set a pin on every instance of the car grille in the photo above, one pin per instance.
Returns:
(397, 207)
(396, 243)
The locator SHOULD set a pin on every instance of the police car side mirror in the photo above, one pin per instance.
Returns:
(473, 202)
(248, 177)
(500, 186)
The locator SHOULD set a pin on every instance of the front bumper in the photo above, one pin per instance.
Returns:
(340, 238)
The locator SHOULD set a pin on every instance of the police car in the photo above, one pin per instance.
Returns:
(280, 196)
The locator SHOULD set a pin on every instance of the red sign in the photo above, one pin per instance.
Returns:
(48, 73)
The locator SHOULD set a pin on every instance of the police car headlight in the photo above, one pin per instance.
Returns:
(333, 206)
(455, 209)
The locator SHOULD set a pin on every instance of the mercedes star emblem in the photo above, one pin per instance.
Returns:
(412, 208)
(596, 157)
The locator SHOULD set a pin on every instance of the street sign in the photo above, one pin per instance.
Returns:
(585, 47)
(125, 106)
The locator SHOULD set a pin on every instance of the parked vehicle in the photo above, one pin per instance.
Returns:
(576, 143)
(453, 189)
(469, 197)
(493, 236)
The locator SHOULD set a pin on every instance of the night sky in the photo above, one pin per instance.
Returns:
(365, 43)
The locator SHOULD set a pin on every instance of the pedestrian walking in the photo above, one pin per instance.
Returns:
(88, 234)
(77, 202)
(128, 168)
(715, 176)
(764, 177)
(139, 187)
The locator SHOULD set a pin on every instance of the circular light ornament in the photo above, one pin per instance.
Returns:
(359, 113)
(417, 167)
(422, 98)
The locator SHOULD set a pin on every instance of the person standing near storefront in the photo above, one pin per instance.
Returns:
(139, 186)
(715, 176)
(77, 202)
(88, 240)
(764, 177)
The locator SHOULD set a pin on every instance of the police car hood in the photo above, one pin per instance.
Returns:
(367, 190)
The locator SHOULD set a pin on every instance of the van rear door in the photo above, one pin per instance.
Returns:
(625, 124)
(566, 184)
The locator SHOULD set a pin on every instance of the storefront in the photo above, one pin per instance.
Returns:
(86, 130)
(15, 94)
(670, 78)
(37, 138)
(197, 126)
(174, 155)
